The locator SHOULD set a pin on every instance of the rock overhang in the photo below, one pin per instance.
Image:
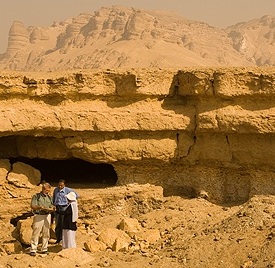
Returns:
(179, 120)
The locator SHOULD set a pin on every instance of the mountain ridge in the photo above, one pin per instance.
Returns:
(122, 37)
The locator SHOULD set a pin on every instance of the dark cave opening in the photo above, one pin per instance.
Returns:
(73, 171)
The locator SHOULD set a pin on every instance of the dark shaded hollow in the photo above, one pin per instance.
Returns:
(183, 191)
(73, 171)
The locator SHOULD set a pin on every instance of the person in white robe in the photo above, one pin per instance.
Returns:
(69, 226)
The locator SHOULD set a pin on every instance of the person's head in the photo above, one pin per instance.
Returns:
(46, 188)
(61, 184)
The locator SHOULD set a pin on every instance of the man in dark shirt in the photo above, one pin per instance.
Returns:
(61, 203)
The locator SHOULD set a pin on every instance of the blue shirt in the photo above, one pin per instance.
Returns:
(59, 197)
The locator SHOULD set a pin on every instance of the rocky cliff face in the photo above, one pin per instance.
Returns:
(255, 39)
(18, 38)
(192, 131)
(123, 37)
(119, 37)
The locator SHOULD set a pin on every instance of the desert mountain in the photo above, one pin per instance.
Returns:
(255, 40)
(120, 37)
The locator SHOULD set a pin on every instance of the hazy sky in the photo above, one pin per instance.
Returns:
(220, 13)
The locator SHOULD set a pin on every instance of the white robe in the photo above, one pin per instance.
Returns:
(68, 236)
(68, 239)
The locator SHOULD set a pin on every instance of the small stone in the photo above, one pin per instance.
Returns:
(248, 264)
(144, 224)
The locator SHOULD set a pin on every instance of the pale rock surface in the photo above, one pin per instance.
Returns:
(148, 235)
(18, 37)
(5, 167)
(24, 176)
(109, 237)
(71, 256)
(191, 130)
(12, 247)
(130, 225)
(24, 228)
(261, 49)
(94, 245)
(149, 197)
(121, 244)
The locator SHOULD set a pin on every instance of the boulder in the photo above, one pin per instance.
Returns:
(130, 226)
(121, 244)
(12, 247)
(94, 245)
(24, 228)
(5, 167)
(24, 176)
(109, 235)
(72, 255)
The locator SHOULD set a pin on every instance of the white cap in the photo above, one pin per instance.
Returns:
(71, 196)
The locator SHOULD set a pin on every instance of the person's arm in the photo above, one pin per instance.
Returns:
(35, 206)
(34, 203)
(51, 209)
(52, 205)
(54, 195)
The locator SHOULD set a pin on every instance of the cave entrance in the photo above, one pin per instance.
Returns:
(76, 172)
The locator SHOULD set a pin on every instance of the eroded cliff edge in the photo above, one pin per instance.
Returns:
(193, 131)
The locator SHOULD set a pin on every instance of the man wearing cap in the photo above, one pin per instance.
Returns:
(42, 207)
(61, 203)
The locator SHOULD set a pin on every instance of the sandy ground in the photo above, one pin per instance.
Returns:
(194, 233)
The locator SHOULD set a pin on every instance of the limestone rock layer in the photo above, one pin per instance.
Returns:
(190, 130)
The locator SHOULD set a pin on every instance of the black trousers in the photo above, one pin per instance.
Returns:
(59, 218)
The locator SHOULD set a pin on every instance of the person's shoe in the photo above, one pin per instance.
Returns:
(33, 254)
(58, 242)
(44, 252)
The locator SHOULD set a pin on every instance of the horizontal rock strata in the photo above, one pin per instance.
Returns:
(192, 131)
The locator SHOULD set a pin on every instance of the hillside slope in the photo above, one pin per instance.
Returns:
(119, 37)
(255, 40)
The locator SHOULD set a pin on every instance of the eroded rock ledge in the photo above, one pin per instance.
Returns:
(193, 131)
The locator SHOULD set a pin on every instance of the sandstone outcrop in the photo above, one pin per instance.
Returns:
(24, 176)
(18, 37)
(5, 168)
(189, 130)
